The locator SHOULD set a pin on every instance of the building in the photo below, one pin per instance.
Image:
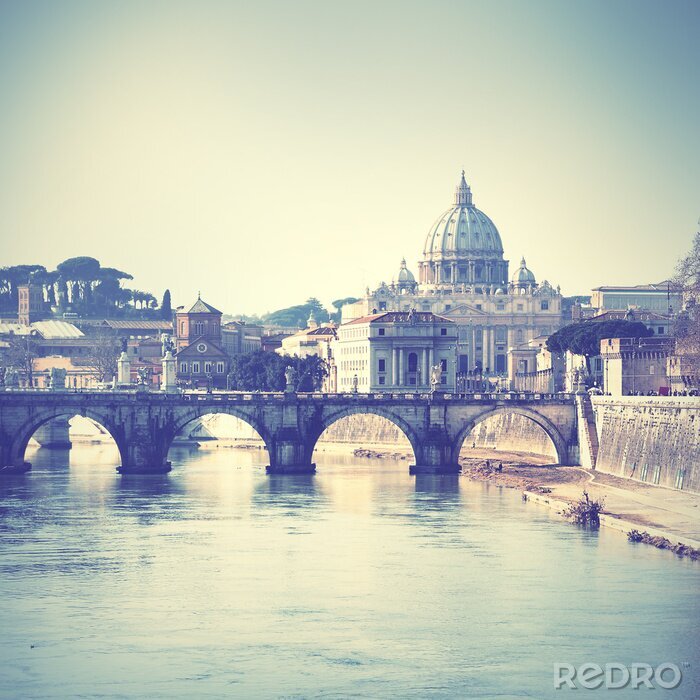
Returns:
(657, 323)
(240, 338)
(664, 298)
(315, 339)
(31, 306)
(201, 361)
(464, 277)
(396, 351)
(531, 367)
(635, 365)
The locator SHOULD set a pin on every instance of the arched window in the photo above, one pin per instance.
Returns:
(412, 362)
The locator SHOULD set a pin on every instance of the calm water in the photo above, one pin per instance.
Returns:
(219, 581)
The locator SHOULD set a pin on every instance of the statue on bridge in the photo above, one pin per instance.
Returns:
(57, 378)
(290, 376)
(11, 378)
(435, 377)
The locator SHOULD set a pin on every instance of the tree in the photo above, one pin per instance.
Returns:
(584, 338)
(11, 278)
(258, 371)
(102, 358)
(310, 372)
(339, 304)
(166, 310)
(21, 354)
(296, 316)
(687, 326)
(265, 371)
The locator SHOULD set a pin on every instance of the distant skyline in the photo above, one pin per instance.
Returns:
(265, 152)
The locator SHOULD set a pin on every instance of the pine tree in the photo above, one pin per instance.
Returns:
(165, 307)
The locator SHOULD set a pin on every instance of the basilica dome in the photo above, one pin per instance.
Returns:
(463, 246)
(463, 229)
(405, 275)
(523, 275)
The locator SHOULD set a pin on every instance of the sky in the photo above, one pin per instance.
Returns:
(263, 152)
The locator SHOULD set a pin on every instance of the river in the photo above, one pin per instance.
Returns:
(218, 581)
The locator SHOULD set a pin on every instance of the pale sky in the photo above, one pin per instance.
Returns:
(267, 151)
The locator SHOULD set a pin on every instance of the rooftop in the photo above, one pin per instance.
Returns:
(401, 317)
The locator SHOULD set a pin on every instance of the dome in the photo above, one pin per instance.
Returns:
(523, 275)
(405, 275)
(463, 247)
(463, 231)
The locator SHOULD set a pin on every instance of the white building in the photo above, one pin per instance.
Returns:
(395, 351)
(464, 277)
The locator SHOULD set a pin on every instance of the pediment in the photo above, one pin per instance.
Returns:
(464, 310)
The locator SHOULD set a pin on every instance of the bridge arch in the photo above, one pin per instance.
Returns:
(333, 416)
(18, 445)
(551, 430)
(189, 415)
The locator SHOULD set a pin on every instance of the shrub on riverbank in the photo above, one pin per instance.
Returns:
(682, 550)
(585, 511)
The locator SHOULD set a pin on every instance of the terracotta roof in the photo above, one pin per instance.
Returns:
(139, 325)
(401, 317)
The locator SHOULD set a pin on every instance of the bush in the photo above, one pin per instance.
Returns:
(585, 511)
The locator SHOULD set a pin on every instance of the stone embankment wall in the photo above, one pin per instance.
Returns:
(510, 432)
(655, 439)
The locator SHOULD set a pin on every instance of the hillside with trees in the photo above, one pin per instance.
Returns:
(82, 286)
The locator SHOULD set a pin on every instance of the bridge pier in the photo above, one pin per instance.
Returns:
(434, 456)
(289, 454)
(143, 458)
(54, 434)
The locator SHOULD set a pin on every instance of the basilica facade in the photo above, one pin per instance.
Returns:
(464, 277)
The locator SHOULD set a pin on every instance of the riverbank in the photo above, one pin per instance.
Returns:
(628, 505)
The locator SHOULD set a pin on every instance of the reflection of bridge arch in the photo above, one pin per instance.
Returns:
(187, 416)
(19, 444)
(552, 432)
(328, 419)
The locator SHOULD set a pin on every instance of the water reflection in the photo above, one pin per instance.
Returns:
(217, 580)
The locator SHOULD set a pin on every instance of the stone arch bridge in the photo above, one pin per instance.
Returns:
(144, 424)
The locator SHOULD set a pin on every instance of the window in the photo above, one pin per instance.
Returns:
(448, 307)
(412, 362)
(382, 331)
(443, 331)
(651, 369)
(661, 330)
(199, 328)
(182, 328)
(195, 368)
(382, 365)
(544, 305)
(382, 380)
(183, 367)
(520, 307)
(478, 307)
(219, 367)
(500, 306)
(443, 365)
(382, 306)
(207, 367)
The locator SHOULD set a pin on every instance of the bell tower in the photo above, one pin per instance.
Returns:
(31, 303)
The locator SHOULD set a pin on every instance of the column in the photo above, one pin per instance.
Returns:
(394, 366)
(485, 348)
(401, 368)
(425, 376)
